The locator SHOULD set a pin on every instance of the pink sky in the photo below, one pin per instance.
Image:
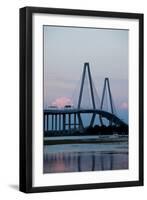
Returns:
(61, 102)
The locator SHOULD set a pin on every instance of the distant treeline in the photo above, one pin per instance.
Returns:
(107, 129)
(96, 130)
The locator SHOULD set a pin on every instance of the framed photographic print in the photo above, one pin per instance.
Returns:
(81, 99)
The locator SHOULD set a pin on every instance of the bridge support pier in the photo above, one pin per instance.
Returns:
(75, 121)
(52, 122)
(47, 122)
(59, 122)
(69, 122)
(55, 122)
(64, 120)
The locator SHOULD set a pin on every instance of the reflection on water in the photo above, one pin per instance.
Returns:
(77, 161)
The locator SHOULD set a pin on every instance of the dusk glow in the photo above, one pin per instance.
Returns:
(124, 106)
(61, 102)
(66, 49)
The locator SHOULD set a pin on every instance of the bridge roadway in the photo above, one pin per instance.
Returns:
(102, 113)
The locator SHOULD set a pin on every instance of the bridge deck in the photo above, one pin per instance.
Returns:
(102, 113)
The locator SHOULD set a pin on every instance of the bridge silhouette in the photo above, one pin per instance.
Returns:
(69, 119)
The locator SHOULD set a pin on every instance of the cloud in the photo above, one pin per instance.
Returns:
(61, 102)
(124, 105)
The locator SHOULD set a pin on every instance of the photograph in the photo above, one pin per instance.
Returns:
(85, 99)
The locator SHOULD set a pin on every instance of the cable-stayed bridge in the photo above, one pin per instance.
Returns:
(70, 118)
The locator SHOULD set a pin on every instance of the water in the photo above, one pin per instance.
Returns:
(85, 157)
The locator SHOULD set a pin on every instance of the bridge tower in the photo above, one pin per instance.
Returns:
(86, 69)
(106, 86)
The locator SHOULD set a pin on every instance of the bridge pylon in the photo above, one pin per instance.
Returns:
(106, 86)
(87, 69)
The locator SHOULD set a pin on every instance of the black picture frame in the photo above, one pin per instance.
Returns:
(26, 98)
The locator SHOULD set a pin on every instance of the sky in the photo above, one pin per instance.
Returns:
(66, 49)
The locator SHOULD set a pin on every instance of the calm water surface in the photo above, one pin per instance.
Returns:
(85, 157)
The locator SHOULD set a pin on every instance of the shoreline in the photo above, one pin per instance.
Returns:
(54, 141)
